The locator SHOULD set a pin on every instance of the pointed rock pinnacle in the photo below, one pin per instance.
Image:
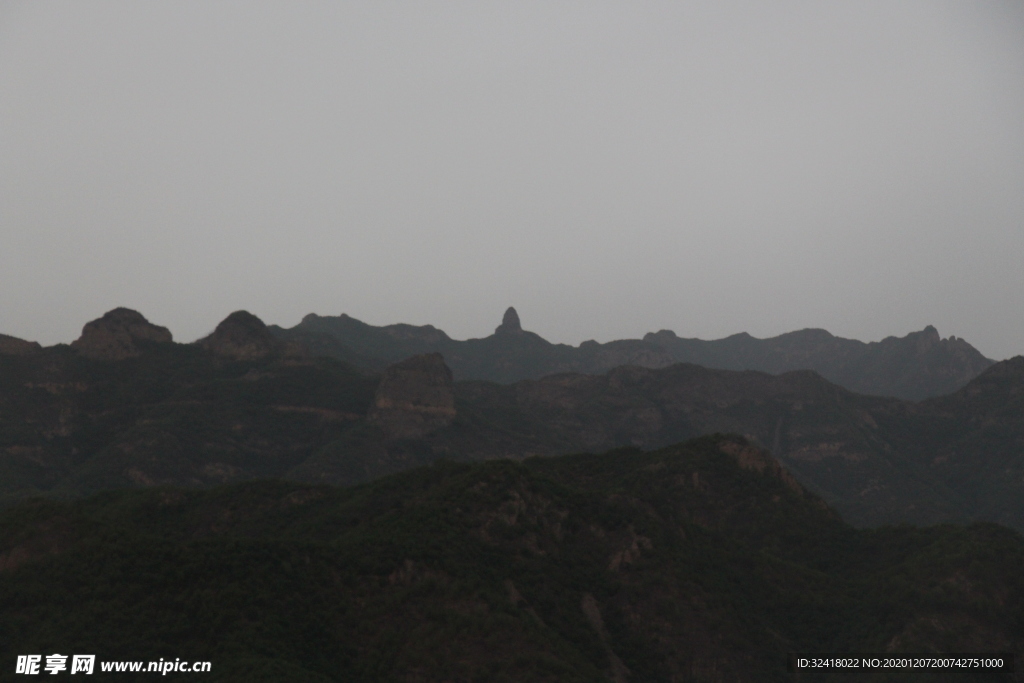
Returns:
(509, 323)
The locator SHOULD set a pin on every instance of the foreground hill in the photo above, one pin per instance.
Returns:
(914, 367)
(699, 562)
(127, 407)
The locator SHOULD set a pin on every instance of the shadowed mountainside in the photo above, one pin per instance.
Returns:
(241, 405)
(914, 367)
(237, 405)
(699, 562)
(953, 458)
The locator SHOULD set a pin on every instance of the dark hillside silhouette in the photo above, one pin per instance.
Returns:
(914, 367)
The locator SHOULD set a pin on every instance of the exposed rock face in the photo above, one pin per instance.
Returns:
(119, 334)
(12, 346)
(509, 323)
(752, 458)
(415, 397)
(241, 336)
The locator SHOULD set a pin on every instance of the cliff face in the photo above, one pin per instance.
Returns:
(119, 334)
(509, 323)
(914, 367)
(414, 398)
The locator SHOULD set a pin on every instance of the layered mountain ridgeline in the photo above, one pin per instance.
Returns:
(972, 440)
(700, 562)
(124, 406)
(914, 367)
(877, 460)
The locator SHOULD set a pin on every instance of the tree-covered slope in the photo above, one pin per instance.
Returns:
(698, 562)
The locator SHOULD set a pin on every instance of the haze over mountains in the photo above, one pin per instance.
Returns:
(919, 365)
(342, 502)
(402, 515)
(124, 406)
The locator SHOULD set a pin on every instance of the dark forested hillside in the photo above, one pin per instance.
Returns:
(700, 562)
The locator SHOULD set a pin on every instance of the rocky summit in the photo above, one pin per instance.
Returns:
(509, 323)
(241, 336)
(120, 333)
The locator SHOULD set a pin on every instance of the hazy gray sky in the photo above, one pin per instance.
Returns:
(609, 168)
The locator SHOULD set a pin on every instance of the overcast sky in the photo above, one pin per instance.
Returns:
(609, 168)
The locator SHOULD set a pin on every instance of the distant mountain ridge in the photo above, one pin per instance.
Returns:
(917, 366)
(242, 404)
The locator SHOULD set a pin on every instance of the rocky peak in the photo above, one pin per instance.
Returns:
(240, 336)
(509, 323)
(415, 397)
(12, 346)
(925, 339)
(660, 337)
(118, 335)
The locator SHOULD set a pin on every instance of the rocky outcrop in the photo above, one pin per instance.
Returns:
(241, 336)
(509, 323)
(120, 333)
(750, 457)
(12, 346)
(415, 397)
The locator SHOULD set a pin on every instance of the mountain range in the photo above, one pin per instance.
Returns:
(125, 406)
(251, 501)
(919, 365)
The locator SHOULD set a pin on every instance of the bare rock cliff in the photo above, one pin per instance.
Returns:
(415, 397)
(509, 323)
(119, 334)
